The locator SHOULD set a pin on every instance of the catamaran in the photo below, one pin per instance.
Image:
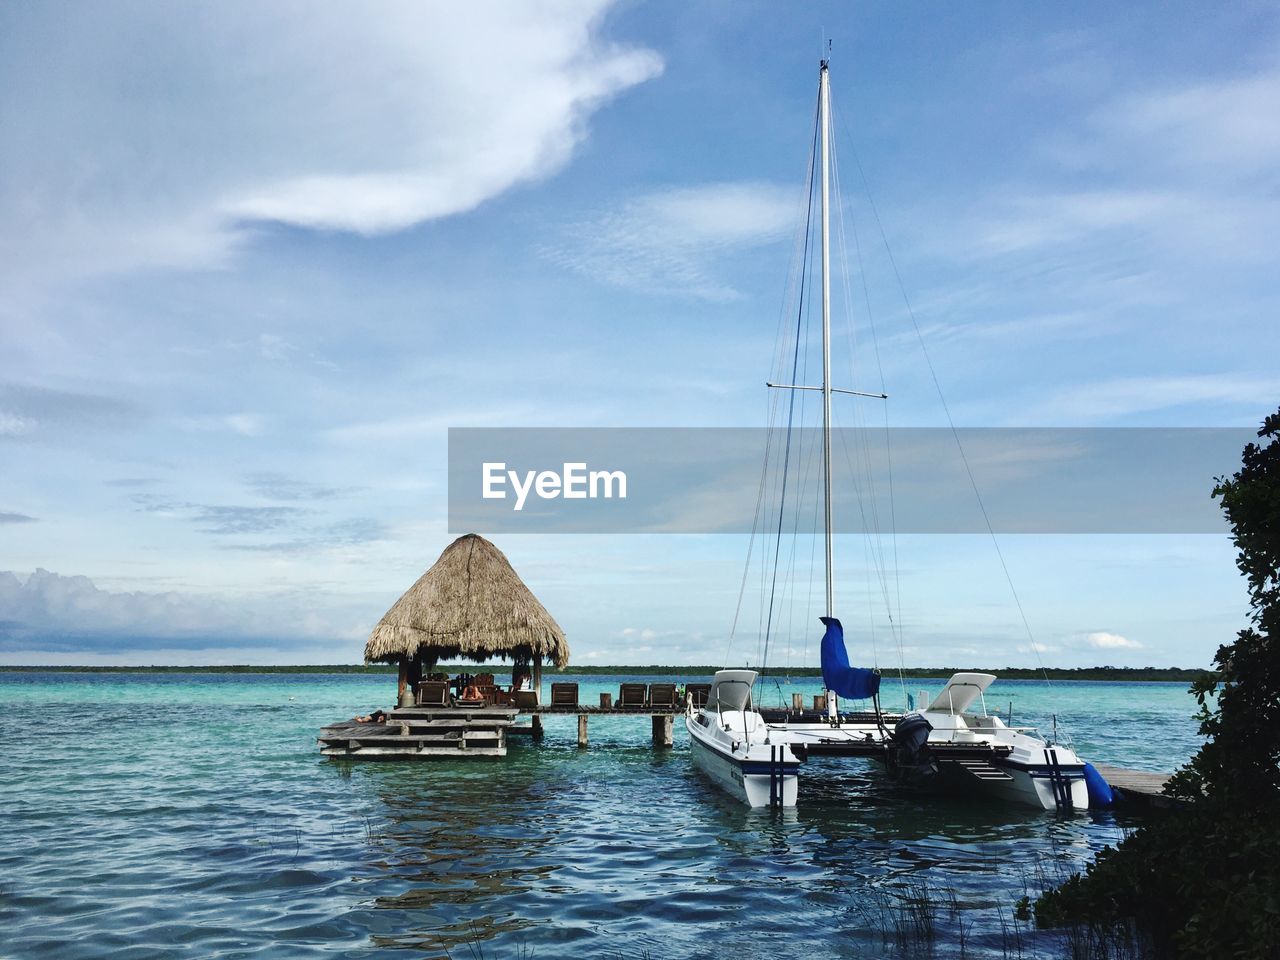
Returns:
(754, 754)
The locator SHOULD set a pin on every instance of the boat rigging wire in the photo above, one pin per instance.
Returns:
(946, 409)
(791, 406)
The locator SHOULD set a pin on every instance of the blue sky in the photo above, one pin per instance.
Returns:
(254, 262)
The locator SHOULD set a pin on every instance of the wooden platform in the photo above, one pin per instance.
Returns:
(596, 711)
(412, 733)
(1137, 787)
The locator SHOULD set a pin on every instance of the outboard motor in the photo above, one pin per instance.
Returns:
(910, 759)
(911, 733)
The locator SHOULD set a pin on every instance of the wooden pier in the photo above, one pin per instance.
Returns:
(662, 718)
(422, 733)
(1137, 787)
(431, 732)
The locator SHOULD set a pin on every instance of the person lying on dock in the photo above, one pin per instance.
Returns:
(378, 716)
(472, 693)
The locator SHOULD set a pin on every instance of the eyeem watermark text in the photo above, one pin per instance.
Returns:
(573, 482)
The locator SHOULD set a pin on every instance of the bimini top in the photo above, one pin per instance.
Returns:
(961, 690)
(731, 690)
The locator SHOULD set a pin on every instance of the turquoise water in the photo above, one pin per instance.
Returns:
(190, 815)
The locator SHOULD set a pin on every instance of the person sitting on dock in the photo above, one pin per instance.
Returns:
(471, 693)
(378, 716)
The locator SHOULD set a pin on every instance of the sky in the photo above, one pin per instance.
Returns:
(256, 260)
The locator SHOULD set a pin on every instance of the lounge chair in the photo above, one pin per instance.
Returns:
(662, 694)
(525, 699)
(633, 695)
(699, 692)
(564, 695)
(492, 695)
(433, 693)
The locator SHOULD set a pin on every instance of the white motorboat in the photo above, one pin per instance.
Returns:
(730, 743)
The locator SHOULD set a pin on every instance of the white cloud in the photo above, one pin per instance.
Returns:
(667, 242)
(1231, 122)
(141, 137)
(1111, 641)
(632, 633)
(245, 424)
(1124, 396)
(1036, 646)
(1158, 197)
(12, 425)
(51, 612)
(30, 412)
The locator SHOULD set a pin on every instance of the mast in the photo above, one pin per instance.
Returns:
(824, 108)
(824, 117)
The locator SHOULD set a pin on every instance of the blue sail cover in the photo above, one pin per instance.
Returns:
(854, 683)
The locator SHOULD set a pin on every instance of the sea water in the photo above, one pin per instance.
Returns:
(157, 815)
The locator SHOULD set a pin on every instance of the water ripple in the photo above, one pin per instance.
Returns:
(168, 816)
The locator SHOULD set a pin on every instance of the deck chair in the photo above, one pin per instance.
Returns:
(564, 694)
(633, 695)
(433, 693)
(699, 692)
(492, 695)
(662, 694)
(525, 699)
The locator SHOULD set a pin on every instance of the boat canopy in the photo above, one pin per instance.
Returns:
(731, 690)
(852, 683)
(961, 690)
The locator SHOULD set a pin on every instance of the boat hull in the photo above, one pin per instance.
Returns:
(755, 781)
(1059, 787)
(1045, 787)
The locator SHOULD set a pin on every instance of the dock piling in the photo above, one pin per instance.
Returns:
(582, 729)
(663, 724)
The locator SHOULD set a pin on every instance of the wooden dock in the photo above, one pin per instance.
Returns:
(430, 732)
(421, 733)
(1137, 787)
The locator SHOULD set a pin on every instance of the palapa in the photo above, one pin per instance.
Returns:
(471, 604)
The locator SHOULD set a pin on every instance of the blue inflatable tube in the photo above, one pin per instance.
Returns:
(1101, 795)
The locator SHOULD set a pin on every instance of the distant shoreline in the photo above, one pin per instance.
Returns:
(1130, 674)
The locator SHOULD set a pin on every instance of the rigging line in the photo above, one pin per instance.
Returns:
(895, 623)
(786, 457)
(955, 433)
(871, 562)
(858, 420)
(804, 470)
(897, 569)
(801, 284)
(771, 405)
(813, 567)
(874, 550)
(746, 569)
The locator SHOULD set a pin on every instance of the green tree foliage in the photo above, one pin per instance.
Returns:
(1205, 880)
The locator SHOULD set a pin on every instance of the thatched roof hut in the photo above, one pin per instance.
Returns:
(469, 604)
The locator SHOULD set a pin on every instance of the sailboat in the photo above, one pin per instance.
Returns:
(755, 755)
